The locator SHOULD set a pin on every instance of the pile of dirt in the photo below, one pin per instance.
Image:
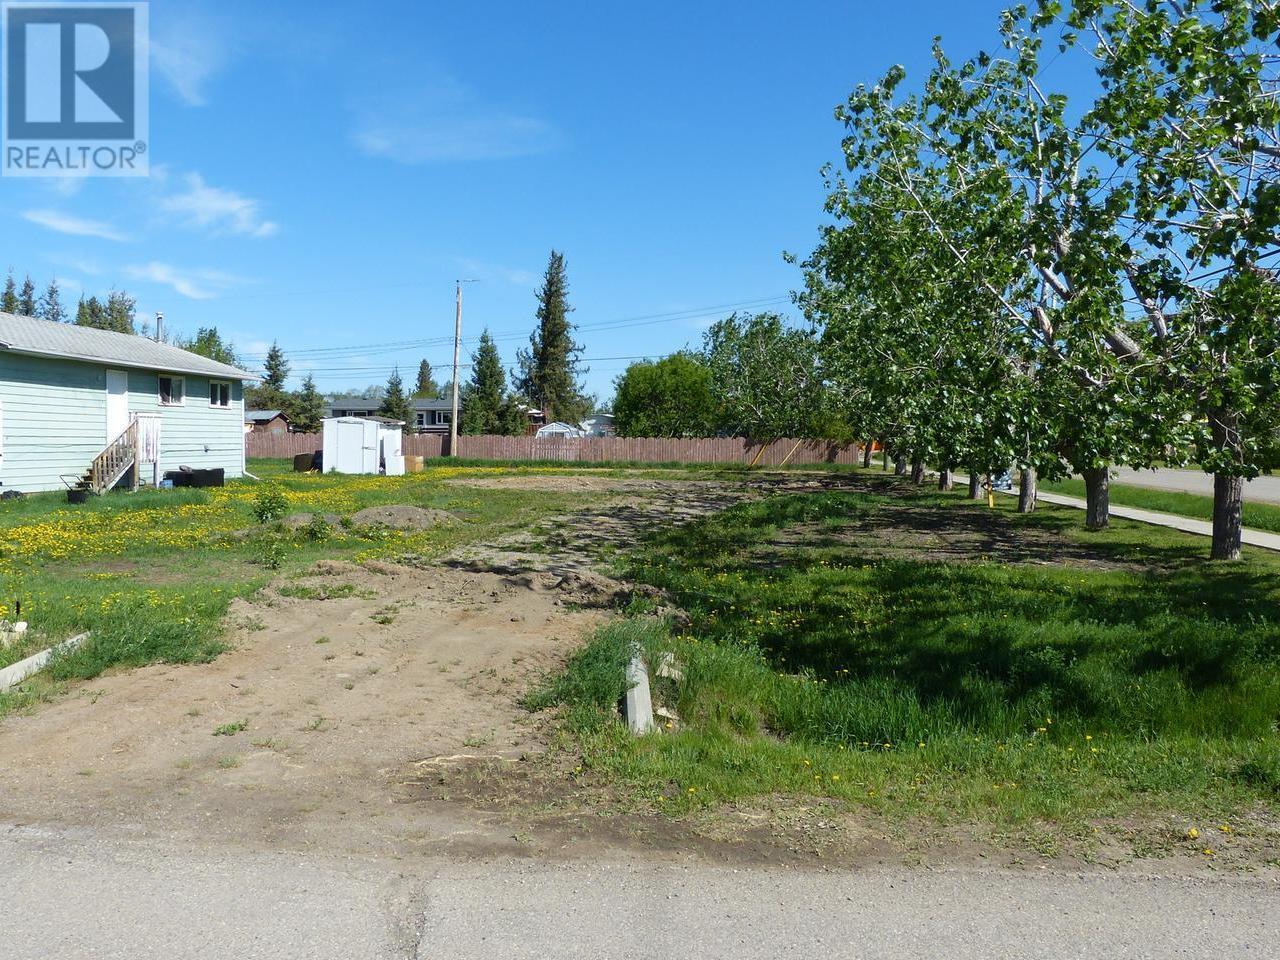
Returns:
(401, 516)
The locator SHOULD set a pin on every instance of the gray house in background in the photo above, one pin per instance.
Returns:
(429, 416)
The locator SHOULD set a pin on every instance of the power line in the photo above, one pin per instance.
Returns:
(394, 346)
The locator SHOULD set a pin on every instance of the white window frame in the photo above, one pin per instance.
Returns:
(172, 380)
(442, 417)
(420, 418)
(217, 383)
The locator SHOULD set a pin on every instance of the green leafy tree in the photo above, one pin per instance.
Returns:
(486, 407)
(50, 306)
(120, 311)
(209, 343)
(395, 404)
(27, 298)
(91, 313)
(1190, 114)
(9, 299)
(671, 397)
(426, 387)
(116, 314)
(306, 407)
(548, 370)
(766, 378)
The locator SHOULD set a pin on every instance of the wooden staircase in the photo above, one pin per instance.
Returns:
(112, 463)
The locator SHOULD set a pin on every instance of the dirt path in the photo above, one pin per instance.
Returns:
(341, 698)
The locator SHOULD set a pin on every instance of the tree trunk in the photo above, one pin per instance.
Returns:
(884, 456)
(1228, 501)
(1027, 490)
(917, 472)
(866, 455)
(1097, 494)
(945, 482)
(900, 466)
(1228, 491)
(975, 484)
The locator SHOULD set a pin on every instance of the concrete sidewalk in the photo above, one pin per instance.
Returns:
(1262, 489)
(1253, 538)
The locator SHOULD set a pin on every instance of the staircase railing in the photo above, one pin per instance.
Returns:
(113, 462)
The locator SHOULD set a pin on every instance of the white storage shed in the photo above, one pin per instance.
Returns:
(362, 445)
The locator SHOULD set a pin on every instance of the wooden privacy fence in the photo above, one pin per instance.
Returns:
(588, 449)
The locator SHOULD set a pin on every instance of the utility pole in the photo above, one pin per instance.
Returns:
(457, 346)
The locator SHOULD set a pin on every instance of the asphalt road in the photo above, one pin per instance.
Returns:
(1259, 490)
(77, 896)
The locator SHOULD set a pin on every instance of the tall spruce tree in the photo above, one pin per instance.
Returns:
(426, 385)
(276, 368)
(395, 404)
(485, 396)
(27, 298)
(9, 300)
(549, 368)
(306, 408)
(271, 393)
(50, 306)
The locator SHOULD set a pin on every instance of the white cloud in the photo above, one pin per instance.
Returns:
(215, 208)
(448, 122)
(74, 226)
(198, 284)
(187, 51)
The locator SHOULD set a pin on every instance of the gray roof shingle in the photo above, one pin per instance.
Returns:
(46, 338)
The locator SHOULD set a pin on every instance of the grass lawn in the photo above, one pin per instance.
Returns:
(1113, 676)
(1259, 516)
(152, 574)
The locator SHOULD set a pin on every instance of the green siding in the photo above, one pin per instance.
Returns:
(55, 415)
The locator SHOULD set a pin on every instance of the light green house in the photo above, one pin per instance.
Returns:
(93, 408)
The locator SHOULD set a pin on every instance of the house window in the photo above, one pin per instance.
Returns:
(173, 391)
(422, 419)
(219, 393)
(442, 417)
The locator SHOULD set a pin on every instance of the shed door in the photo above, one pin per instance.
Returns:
(349, 446)
(117, 403)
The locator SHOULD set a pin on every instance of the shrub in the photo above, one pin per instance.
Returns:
(318, 529)
(270, 504)
(273, 553)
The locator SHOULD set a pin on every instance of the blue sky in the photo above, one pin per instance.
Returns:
(322, 173)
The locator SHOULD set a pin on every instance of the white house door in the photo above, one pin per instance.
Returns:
(117, 403)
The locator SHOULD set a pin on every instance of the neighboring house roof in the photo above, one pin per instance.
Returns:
(264, 416)
(375, 419)
(46, 338)
(375, 403)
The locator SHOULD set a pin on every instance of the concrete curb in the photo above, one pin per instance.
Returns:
(638, 703)
(15, 673)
